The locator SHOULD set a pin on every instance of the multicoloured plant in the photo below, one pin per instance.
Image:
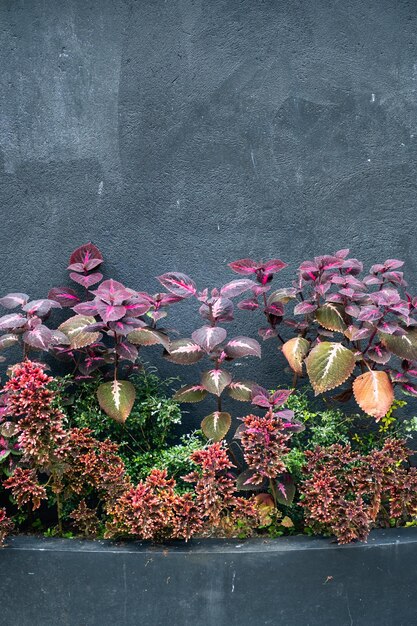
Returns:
(210, 340)
(345, 492)
(373, 317)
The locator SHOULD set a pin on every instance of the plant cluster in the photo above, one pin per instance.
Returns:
(345, 492)
(98, 444)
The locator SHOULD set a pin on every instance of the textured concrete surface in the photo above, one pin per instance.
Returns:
(184, 134)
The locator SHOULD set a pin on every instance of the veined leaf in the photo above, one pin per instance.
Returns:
(179, 284)
(242, 346)
(215, 381)
(208, 337)
(241, 391)
(330, 316)
(116, 398)
(404, 346)
(216, 425)
(329, 365)
(184, 352)
(374, 393)
(282, 295)
(237, 287)
(148, 337)
(190, 393)
(295, 350)
(6, 341)
(74, 327)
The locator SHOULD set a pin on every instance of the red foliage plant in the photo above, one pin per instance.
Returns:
(64, 462)
(347, 493)
(215, 488)
(153, 510)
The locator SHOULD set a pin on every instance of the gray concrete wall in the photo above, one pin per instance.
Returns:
(180, 135)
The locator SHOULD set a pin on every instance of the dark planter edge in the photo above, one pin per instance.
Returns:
(377, 538)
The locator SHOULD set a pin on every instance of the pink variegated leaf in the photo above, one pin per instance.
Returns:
(216, 425)
(167, 298)
(260, 396)
(237, 287)
(76, 329)
(285, 489)
(242, 346)
(64, 296)
(393, 264)
(342, 254)
(215, 381)
(190, 393)
(356, 334)
(249, 481)
(127, 351)
(370, 314)
(40, 307)
(39, 338)
(12, 300)
(267, 333)
(208, 337)
(280, 397)
(352, 267)
(250, 304)
(85, 258)
(124, 326)
(148, 336)
(109, 312)
(274, 265)
(222, 309)
(117, 398)
(179, 284)
(372, 280)
(395, 277)
(241, 390)
(379, 354)
(12, 321)
(244, 266)
(184, 352)
(114, 293)
(86, 308)
(86, 280)
(304, 307)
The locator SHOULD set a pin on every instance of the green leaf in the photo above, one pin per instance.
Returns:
(330, 316)
(403, 346)
(148, 337)
(295, 350)
(216, 425)
(190, 393)
(329, 365)
(116, 398)
(241, 391)
(73, 328)
(282, 295)
(215, 381)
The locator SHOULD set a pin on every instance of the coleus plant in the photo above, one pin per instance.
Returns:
(352, 327)
(210, 341)
(26, 325)
(264, 442)
(108, 326)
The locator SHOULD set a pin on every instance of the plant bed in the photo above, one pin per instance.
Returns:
(297, 581)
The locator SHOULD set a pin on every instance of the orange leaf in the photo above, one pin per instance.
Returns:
(374, 393)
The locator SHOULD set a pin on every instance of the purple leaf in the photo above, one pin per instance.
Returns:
(86, 280)
(241, 347)
(393, 264)
(85, 258)
(280, 397)
(237, 287)
(109, 312)
(12, 300)
(208, 337)
(248, 305)
(127, 351)
(12, 321)
(244, 266)
(260, 396)
(304, 307)
(179, 284)
(40, 307)
(86, 308)
(275, 265)
(113, 292)
(40, 337)
(64, 296)
(267, 333)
